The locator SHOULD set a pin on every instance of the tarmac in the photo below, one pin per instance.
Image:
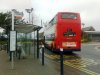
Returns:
(28, 66)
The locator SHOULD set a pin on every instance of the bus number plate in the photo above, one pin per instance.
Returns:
(69, 44)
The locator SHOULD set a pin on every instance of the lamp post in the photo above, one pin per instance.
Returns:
(83, 25)
(83, 30)
(29, 11)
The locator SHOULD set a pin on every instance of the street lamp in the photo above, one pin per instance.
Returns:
(83, 30)
(29, 11)
(83, 25)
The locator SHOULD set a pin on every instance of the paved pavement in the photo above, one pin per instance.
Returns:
(28, 66)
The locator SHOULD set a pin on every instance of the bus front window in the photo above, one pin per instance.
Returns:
(68, 16)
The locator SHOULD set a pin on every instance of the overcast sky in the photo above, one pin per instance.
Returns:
(88, 9)
(46, 9)
(15, 4)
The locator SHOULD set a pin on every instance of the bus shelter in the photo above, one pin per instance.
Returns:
(27, 38)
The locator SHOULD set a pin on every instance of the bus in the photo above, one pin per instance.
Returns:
(64, 31)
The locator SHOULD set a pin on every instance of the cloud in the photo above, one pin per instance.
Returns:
(47, 9)
(88, 9)
(15, 4)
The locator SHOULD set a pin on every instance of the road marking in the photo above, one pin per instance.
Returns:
(81, 68)
(58, 56)
(79, 64)
(83, 61)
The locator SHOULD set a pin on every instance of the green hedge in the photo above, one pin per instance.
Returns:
(3, 42)
(85, 40)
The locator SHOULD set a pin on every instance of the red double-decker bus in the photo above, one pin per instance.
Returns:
(64, 31)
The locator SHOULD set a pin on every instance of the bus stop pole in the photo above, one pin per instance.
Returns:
(37, 43)
(61, 61)
(12, 52)
(12, 61)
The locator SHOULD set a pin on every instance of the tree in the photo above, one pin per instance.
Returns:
(5, 21)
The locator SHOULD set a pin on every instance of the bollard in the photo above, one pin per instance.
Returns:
(43, 55)
(61, 61)
(10, 55)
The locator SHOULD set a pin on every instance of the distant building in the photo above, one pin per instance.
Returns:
(91, 33)
(90, 28)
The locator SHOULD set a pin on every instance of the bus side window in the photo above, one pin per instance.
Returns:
(53, 21)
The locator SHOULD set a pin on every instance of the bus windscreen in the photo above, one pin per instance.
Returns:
(68, 16)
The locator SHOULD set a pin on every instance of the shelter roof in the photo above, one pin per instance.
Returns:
(26, 28)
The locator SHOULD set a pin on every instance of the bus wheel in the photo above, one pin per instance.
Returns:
(52, 47)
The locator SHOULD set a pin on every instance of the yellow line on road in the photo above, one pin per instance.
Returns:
(79, 67)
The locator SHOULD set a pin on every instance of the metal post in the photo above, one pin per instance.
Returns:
(12, 20)
(41, 23)
(37, 43)
(61, 61)
(32, 14)
(34, 44)
(29, 11)
(44, 40)
(12, 61)
(16, 44)
(43, 55)
(29, 17)
(26, 43)
(8, 44)
(29, 45)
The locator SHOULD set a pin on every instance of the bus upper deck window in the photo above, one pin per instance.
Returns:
(69, 16)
